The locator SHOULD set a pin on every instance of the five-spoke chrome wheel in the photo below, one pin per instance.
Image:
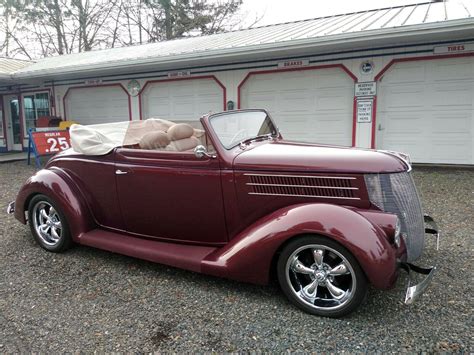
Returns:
(48, 224)
(321, 276)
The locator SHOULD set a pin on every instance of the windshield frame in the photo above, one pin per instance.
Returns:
(273, 135)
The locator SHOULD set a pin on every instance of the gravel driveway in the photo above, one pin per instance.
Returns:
(88, 300)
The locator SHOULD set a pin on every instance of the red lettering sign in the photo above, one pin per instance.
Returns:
(48, 143)
(455, 48)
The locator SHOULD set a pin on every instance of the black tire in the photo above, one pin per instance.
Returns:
(59, 240)
(306, 285)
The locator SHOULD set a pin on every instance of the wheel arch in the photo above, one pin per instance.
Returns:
(250, 256)
(273, 266)
(58, 186)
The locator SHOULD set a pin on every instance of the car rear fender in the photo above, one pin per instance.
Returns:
(57, 185)
(248, 257)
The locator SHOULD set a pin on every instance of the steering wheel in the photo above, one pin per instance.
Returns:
(235, 136)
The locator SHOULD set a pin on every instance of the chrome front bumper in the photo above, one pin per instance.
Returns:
(416, 290)
(11, 207)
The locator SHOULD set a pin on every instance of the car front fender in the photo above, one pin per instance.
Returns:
(248, 257)
(57, 185)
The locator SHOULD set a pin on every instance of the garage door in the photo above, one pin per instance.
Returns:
(97, 105)
(426, 109)
(182, 99)
(310, 105)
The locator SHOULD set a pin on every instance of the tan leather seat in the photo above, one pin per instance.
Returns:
(182, 137)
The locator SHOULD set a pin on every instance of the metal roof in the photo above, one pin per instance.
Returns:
(9, 65)
(383, 22)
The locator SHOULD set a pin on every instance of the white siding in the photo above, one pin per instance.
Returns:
(310, 105)
(426, 109)
(97, 105)
(182, 99)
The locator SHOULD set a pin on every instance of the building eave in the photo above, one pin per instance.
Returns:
(452, 29)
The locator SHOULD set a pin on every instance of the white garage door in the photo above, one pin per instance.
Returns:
(309, 105)
(426, 109)
(182, 100)
(97, 105)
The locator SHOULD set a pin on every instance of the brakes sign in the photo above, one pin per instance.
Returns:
(48, 143)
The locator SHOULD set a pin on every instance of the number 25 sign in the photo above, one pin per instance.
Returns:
(47, 143)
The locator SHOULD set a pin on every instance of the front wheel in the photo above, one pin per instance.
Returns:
(48, 224)
(321, 277)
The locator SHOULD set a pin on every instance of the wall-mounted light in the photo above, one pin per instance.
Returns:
(230, 105)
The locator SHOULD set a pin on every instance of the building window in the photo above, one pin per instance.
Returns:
(35, 106)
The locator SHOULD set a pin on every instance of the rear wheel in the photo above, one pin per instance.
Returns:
(48, 224)
(321, 277)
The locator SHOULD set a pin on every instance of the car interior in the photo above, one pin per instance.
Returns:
(163, 135)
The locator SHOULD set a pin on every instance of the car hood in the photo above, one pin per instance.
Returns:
(292, 156)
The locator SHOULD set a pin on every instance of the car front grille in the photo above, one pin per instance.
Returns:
(396, 193)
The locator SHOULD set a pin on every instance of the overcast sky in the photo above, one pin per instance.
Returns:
(277, 11)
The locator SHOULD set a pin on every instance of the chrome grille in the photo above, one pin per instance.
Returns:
(332, 187)
(396, 193)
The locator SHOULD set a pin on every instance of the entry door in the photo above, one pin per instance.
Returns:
(171, 195)
(13, 123)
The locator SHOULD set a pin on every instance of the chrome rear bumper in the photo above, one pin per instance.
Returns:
(11, 207)
(416, 290)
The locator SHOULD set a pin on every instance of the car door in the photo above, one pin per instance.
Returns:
(171, 195)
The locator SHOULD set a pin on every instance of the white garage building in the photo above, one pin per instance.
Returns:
(399, 78)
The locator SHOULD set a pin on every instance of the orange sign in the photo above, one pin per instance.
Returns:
(51, 142)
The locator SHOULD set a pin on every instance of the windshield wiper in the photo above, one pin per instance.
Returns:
(256, 138)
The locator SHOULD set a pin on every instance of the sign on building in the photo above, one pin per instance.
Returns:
(293, 63)
(368, 88)
(364, 111)
(454, 48)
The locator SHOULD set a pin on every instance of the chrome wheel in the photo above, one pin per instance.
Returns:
(320, 277)
(47, 223)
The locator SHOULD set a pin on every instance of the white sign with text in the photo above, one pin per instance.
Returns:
(364, 111)
(368, 88)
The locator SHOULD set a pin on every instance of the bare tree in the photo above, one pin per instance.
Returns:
(40, 28)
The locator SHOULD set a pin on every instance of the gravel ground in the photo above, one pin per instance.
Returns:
(90, 300)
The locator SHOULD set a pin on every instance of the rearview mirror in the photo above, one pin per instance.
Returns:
(200, 151)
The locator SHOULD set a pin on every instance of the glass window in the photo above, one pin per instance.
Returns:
(34, 107)
(236, 127)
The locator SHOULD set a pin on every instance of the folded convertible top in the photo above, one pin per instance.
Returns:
(102, 138)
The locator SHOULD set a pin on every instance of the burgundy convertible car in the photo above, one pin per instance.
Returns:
(233, 199)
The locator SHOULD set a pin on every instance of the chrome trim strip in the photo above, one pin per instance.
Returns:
(289, 195)
(304, 176)
(314, 187)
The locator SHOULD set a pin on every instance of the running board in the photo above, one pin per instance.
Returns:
(182, 256)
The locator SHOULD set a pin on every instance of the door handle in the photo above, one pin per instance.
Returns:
(120, 172)
(380, 127)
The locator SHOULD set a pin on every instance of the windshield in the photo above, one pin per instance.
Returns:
(237, 127)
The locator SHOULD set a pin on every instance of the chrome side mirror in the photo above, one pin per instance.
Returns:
(200, 151)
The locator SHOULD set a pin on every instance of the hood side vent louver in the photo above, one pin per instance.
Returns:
(332, 187)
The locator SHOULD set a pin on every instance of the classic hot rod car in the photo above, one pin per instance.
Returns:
(233, 199)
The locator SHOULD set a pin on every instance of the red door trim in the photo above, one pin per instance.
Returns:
(212, 77)
(97, 86)
(382, 72)
(314, 67)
